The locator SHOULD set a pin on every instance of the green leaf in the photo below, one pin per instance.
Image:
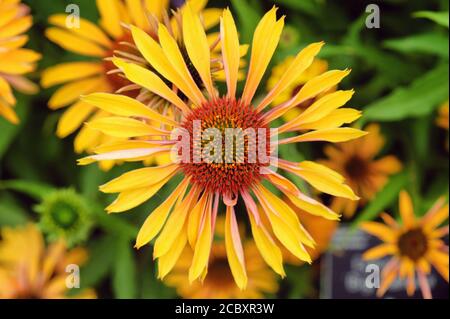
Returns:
(36, 190)
(440, 18)
(248, 16)
(419, 99)
(150, 286)
(11, 213)
(124, 274)
(99, 264)
(114, 224)
(387, 196)
(428, 43)
(310, 7)
(9, 131)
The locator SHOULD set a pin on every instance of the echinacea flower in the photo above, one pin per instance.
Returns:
(29, 269)
(98, 74)
(316, 68)
(209, 179)
(359, 163)
(415, 245)
(15, 61)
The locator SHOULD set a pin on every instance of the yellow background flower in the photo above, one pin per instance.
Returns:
(15, 61)
(31, 270)
(415, 245)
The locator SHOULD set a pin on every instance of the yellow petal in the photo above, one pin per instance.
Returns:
(130, 199)
(86, 29)
(311, 89)
(210, 17)
(265, 41)
(334, 135)
(155, 55)
(8, 113)
(110, 17)
(301, 62)
(277, 207)
(16, 27)
(71, 92)
(74, 43)
(139, 178)
(156, 219)
(380, 251)
(137, 11)
(230, 51)
(195, 217)
(235, 252)
(124, 127)
(67, 72)
(320, 109)
(150, 81)
(202, 248)
(130, 155)
(197, 47)
(6, 92)
(407, 210)
(157, 7)
(335, 119)
(125, 106)
(267, 247)
(73, 118)
(379, 230)
(313, 207)
(318, 176)
(168, 261)
(173, 54)
(174, 224)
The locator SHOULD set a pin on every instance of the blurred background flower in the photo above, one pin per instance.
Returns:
(29, 269)
(15, 61)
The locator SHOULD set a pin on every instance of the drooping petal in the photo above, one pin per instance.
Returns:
(195, 218)
(167, 262)
(267, 247)
(202, 248)
(156, 219)
(174, 224)
(235, 252)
